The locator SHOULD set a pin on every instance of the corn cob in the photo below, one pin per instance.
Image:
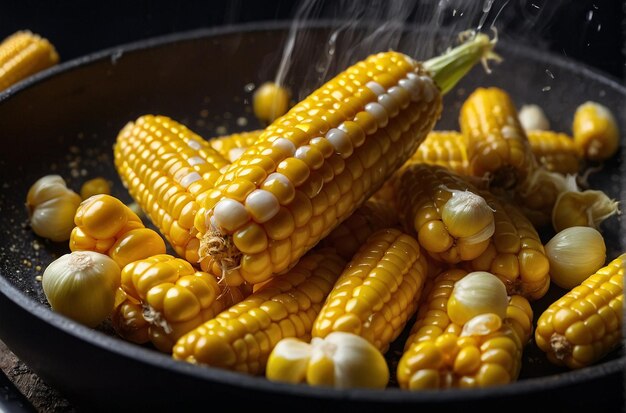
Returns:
(167, 168)
(242, 337)
(231, 147)
(595, 131)
(585, 324)
(313, 167)
(485, 351)
(23, 54)
(352, 233)
(452, 222)
(105, 225)
(497, 146)
(377, 292)
(166, 298)
(557, 152)
(443, 148)
(515, 253)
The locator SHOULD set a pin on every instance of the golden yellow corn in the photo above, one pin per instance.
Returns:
(515, 253)
(485, 351)
(167, 169)
(231, 147)
(352, 233)
(166, 298)
(105, 225)
(452, 222)
(444, 148)
(585, 324)
(23, 54)
(377, 292)
(242, 337)
(95, 186)
(270, 101)
(497, 146)
(595, 131)
(556, 151)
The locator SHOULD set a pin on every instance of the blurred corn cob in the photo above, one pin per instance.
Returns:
(23, 54)
(242, 337)
(164, 298)
(231, 147)
(557, 152)
(167, 169)
(485, 351)
(452, 222)
(585, 324)
(595, 131)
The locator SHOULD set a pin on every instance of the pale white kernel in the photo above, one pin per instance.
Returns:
(396, 92)
(280, 178)
(378, 111)
(224, 168)
(413, 87)
(285, 145)
(428, 86)
(262, 205)
(235, 154)
(230, 214)
(194, 144)
(390, 104)
(412, 75)
(195, 160)
(355, 143)
(301, 152)
(189, 179)
(341, 141)
(375, 87)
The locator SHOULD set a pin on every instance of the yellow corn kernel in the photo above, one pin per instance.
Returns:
(352, 233)
(165, 298)
(231, 147)
(557, 152)
(584, 325)
(515, 253)
(486, 351)
(377, 292)
(167, 169)
(270, 101)
(444, 148)
(95, 186)
(497, 146)
(242, 337)
(452, 222)
(595, 131)
(105, 225)
(23, 54)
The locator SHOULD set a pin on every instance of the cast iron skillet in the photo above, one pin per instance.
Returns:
(65, 121)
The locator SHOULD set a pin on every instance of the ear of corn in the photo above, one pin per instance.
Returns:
(377, 292)
(515, 253)
(165, 298)
(352, 233)
(452, 222)
(595, 131)
(242, 337)
(231, 147)
(556, 151)
(444, 148)
(23, 54)
(105, 225)
(585, 324)
(497, 146)
(167, 169)
(486, 351)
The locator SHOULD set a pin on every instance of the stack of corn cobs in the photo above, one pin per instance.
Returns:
(306, 248)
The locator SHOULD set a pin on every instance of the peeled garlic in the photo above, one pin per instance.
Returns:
(477, 293)
(340, 360)
(532, 117)
(467, 216)
(82, 286)
(574, 254)
(51, 208)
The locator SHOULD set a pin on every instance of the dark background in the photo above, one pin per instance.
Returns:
(591, 31)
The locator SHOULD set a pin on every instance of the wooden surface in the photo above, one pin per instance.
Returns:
(43, 398)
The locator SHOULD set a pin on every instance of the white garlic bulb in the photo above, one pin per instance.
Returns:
(532, 117)
(468, 217)
(574, 254)
(82, 286)
(477, 293)
(51, 207)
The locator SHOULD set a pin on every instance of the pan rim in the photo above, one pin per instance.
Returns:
(162, 361)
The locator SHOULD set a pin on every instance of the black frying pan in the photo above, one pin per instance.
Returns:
(75, 111)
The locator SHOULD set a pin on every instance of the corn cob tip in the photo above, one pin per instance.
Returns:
(446, 70)
(221, 249)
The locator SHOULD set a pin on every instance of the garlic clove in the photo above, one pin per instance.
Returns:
(467, 216)
(288, 361)
(574, 254)
(477, 293)
(54, 218)
(532, 117)
(586, 208)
